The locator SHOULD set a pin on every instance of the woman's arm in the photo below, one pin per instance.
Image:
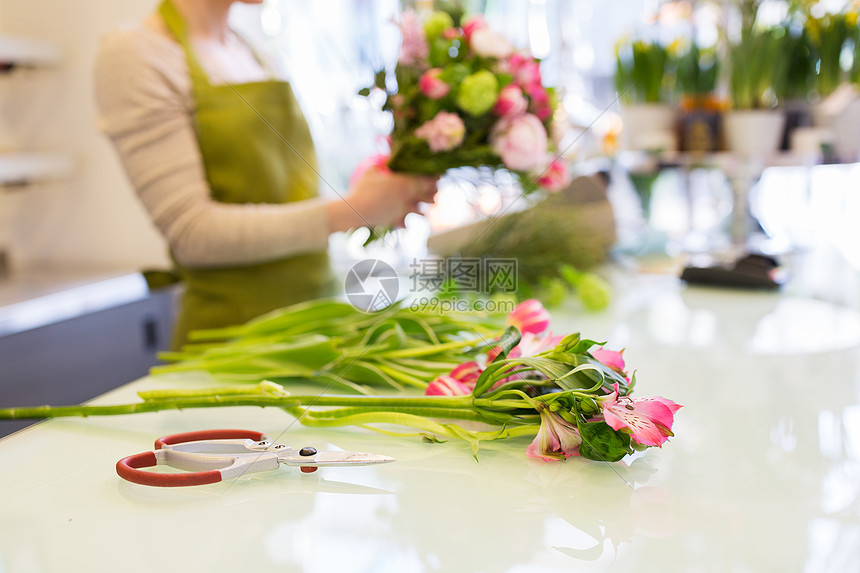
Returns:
(144, 99)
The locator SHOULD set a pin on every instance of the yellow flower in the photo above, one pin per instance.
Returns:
(676, 47)
(851, 18)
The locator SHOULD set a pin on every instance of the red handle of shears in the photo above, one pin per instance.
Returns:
(128, 468)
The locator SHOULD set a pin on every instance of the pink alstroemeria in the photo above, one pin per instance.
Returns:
(533, 344)
(511, 102)
(432, 85)
(556, 439)
(613, 359)
(555, 177)
(467, 373)
(474, 23)
(530, 316)
(648, 420)
(445, 385)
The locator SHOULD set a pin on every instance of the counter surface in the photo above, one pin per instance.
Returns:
(762, 475)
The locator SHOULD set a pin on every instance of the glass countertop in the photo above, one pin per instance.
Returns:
(763, 473)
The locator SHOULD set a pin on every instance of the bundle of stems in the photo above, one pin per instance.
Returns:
(333, 343)
(558, 393)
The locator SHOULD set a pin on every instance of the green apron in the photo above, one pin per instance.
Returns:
(241, 130)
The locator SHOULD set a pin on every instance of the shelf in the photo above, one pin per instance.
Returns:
(24, 52)
(24, 168)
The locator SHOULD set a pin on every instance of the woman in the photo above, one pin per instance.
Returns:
(221, 157)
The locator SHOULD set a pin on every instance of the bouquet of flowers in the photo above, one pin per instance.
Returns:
(570, 394)
(465, 97)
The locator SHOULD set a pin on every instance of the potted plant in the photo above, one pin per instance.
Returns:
(754, 126)
(700, 108)
(847, 128)
(644, 80)
(799, 82)
(829, 35)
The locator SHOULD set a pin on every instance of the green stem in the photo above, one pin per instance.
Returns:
(431, 349)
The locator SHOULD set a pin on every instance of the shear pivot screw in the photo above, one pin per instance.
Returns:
(308, 451)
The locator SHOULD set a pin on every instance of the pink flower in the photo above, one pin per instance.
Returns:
(525, 70)
(451, 33)
(556, 439)
(530, 345)
(511, 102)
(540, 105)
(610, 358)
(442, 133)
(476, 22)
(520, 141)
(489, 44)
(378, 162)
(446, 386)
(431, 85)
(530, 316)
(649, 420)
(555, 177)
(467, 373)
(459, 382)
(533, 344)
(413, 47)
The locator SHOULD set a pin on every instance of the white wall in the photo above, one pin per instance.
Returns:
(94, 219)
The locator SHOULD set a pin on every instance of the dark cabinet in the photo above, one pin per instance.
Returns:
(74, 360)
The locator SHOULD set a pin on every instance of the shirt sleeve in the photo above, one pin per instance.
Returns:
(143, 94)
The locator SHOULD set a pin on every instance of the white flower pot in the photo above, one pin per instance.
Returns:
(846, 133)
(754, 132)
(649, 127)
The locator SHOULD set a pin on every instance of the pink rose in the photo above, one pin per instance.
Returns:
(413, 47)
(525, 69)
(476, 22)
(555, 177)
(540, 101)
(489, 44)
(520, 141)
(511, 102)
(431, 85)
(442, 133)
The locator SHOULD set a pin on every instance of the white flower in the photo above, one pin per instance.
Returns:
(489, 44)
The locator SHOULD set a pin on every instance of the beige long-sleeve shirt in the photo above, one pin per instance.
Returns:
(145, 106)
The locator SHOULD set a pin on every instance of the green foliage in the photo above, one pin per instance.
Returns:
(829, 35)
(698, 71)
(758, 68)
(643, 72)
(602, 443)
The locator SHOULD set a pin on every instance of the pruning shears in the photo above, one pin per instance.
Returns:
(210, 456)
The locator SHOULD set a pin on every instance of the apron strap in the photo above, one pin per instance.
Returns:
(173, 19)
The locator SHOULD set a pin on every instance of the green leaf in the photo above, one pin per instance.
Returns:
(602, 443)
(509, 339)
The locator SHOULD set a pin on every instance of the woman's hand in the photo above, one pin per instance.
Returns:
(380, 198)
